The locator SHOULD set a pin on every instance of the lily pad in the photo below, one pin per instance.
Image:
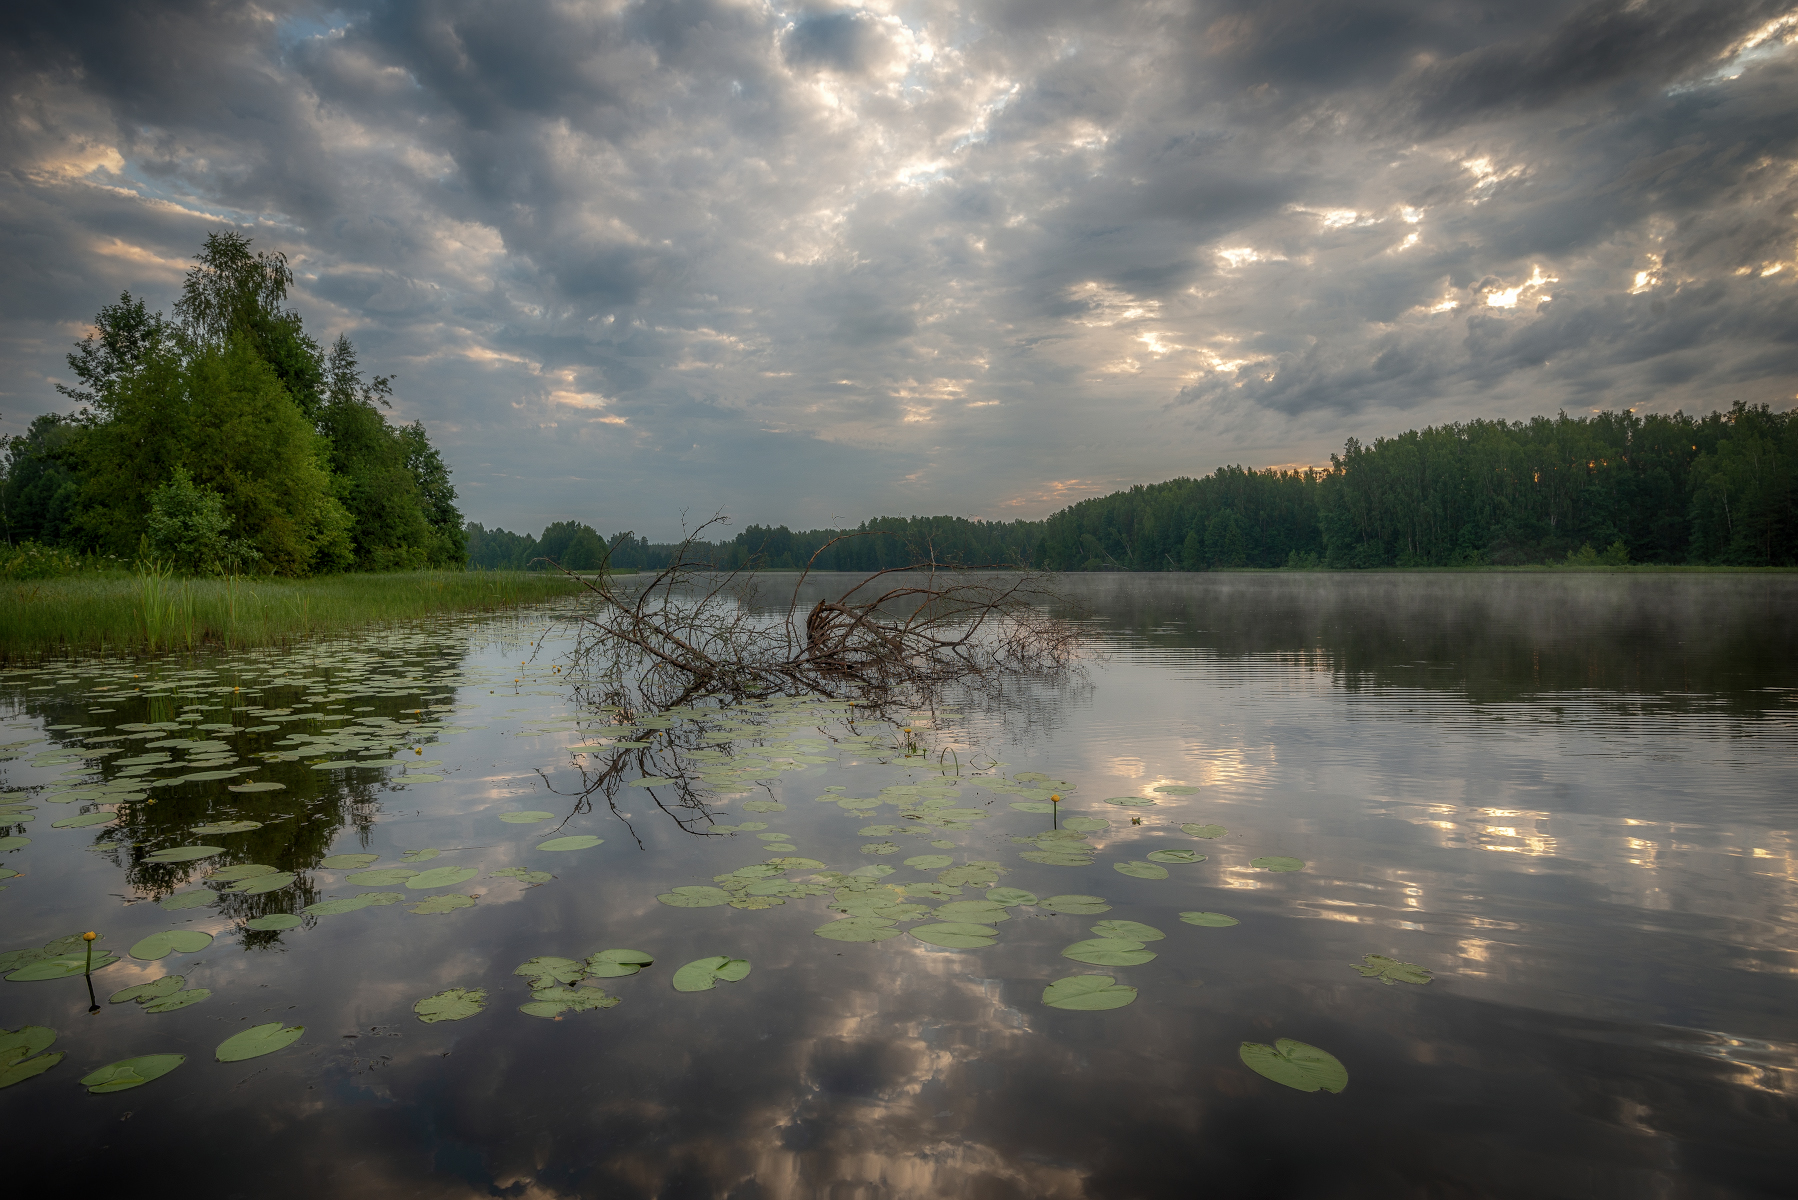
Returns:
(616, 964)
(1140, 870)
(454, 1004)
(1390, 970)
(331, 908)
(1079, 906)
(174, 854)
(448, 902)
(84, 820)
(380, 876)
(421, 855)
(579, 841)
(1088, 993)
(526, 818)
(702, 974)
(442, 877)
(858, 929)
(1175, 789)
(1134, 930)
(1278, 862)
(1033, 806)
(1204, 831)
(130, 1073)
(929, 862)
(17, 1050)
(273, 923)
(225, 827)
(552, 1002)
(1011, 897)
(344, 862)
(171, 941)
(185, 900)
(178, 1000)
(261, 785)
(956, 935)
(1056, 858)
(521, 875)
(1086, 824)
(258, 1040)
(1210, 919)
(13, 842)
(985, 912)
(409, 778)
(1296, 1065)
(547, 969)
(264, 883)
(1174, 856)
(1129, 801)
(1109, 952)
(240, 871)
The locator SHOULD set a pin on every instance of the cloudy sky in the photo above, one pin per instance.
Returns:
(811, 263)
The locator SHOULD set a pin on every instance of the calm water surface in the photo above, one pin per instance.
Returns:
(1570, 798)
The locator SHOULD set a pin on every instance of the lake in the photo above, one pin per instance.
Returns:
(1569, 799)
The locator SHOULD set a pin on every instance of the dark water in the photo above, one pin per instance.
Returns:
(1570, 798)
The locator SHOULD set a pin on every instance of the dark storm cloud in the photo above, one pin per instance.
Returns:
(817, 262)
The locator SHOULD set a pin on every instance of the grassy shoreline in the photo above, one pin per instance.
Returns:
(121, 612)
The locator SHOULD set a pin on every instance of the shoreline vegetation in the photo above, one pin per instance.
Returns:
(150, 611)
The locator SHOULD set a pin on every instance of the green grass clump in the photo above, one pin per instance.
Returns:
(150, 611)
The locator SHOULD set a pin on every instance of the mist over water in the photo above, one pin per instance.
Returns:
(1569, 797)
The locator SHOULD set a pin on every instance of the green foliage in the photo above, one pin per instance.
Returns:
(187, 528)
(28, 560)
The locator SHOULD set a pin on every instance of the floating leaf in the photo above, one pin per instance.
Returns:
(428, 852)
(616, 964)
(185, 900)
(858, 929)
(1174, 856)
(1109, 952)
(1277, 862)
(448, 902)
(84, 820)
(130, 1072)
(343, 862)
(380, 876)
(418, 779)
(554, 1001)
(1211, 919)
(932, 891)
(13, 842)
(182, 854)
(546, 969)
(240, 871)
(258, 1040)
(1390, 970)
(1140, 870)
(1296, 1065)
(985, 912)
(171, 941)
(263, 785)
(442, 877)
(1086, 824)
(702, 973)
(1134, 930)
(1129, 802)
(791, 863)
(1075, 905)
(1205, 831)
(880, 848)
(273, 923)
(168, 985)
(177, 1001)
(1033, 806)
(956, 935)
(1175, 789)
(1056, 858)
(1088, 993)
(526, 818)
(929, 862)
(574, 842)
(455, 1004)
(763, 806)
(225, 827)
(331, 908)
(521, 875)
(58, 960)
(17, 1047)
(209, 776)
(264, 883)
(1011, 897)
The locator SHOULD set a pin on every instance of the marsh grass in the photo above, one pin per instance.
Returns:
(152, 609)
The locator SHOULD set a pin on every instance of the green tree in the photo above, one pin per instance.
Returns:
(234, 294)
(188, 528)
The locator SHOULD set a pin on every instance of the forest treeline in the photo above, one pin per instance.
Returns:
(1609, 488)
(225, 438)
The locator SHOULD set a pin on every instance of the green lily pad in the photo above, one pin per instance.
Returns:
(454, 1004)
(547, 969)
(13, 842)
(1056, 858)
(1128, 802)
(258, 1040)
(956, 935)
(702, 973)
(1205, 831)
(791, 863)
(552, 1002)
(616, 964)
(449, 902)
(1175, 789)
(262, 785)
(1133, 930)
(409, 778)
(1175, 856)
(185, 900)
(1278, 862)
(177, 1001)
(263, 883)
(880, 847)
(174, 854)
(380, 876)
(1088, 993)
(344, 862)
(1210, 919)
(156, 989)
(1296, 1065)
(526, 818)
(1390, 970)
(1011, 897)
(225, 827)
(442, 877)
(17, 1048)
(1079, 906)
(209, 776)
(84, 820)
(331, 908)
(273, 923)
(171, 941)
(932, 891)
(984, 912)
(241, 871)
(579, 841)
(1140, 870)
(1109, 952)
(858, 929)
(130, 1073)
(1033, 806)
(521, 875)
(429, 852)
(1086, 824)
(929, 862)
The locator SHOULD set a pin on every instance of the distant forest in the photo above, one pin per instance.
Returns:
(1612, 488)
(225, 438)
